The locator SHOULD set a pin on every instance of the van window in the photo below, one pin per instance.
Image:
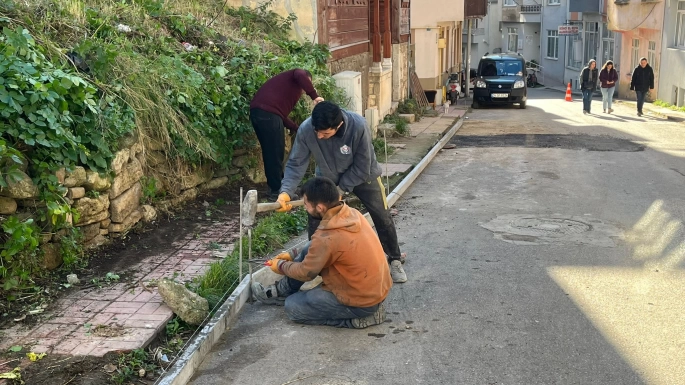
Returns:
(500, 68)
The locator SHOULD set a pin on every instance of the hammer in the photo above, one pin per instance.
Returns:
(251, 207)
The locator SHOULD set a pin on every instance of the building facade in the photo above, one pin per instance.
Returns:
(639, 24)
(520, 29)
(671, 79)
(553, 43)
(486, 36)
(436, 35)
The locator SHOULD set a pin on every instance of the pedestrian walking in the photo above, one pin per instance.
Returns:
(269, 110)
(641, 82)
(588, 82)
(608, 77)
(340, 143)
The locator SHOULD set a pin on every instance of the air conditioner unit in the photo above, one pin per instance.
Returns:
(351, 82)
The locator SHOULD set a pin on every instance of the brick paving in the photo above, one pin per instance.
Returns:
(122, 316)
(390, 169)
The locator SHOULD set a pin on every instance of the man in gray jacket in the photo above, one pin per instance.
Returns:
(341, 145)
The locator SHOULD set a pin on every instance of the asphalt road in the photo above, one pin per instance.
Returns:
(547, 248)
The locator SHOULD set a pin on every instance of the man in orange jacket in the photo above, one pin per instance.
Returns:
(348, 256)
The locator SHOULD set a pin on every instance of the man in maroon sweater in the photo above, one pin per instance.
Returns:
(269, 112)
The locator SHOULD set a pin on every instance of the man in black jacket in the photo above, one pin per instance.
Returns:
(642, 81)
(588, 81)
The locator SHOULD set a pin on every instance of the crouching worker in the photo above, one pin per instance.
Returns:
(345, 251)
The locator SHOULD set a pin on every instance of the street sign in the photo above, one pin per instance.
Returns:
(565, 30)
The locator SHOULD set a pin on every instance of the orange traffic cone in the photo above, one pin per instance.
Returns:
(568, 93)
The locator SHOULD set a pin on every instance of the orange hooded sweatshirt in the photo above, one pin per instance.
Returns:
(346, 252)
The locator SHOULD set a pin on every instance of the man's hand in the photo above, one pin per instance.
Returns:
(273, 264)
(283, 199)
(318, 100)
(284, 256)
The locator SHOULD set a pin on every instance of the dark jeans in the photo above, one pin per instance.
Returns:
(372, 196)
(271, 135)
(317, 306)
(587, 99)
(640, 100)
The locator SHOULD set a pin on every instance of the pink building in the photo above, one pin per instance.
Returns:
(640, 23)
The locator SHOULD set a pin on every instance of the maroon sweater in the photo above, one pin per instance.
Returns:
(280, 94)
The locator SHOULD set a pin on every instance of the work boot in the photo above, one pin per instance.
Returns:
(397, 271)
(266, 295)
(376, 318)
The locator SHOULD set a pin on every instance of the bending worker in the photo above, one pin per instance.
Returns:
(341, 145)
(347, 254)
(269, 110)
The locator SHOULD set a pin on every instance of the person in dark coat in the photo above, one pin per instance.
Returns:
(588, 82)
(608, 77)
(269, 111)
(641, 82)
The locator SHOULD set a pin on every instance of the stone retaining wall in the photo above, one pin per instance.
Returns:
(110, 205)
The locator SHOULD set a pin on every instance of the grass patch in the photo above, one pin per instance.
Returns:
(670, 106)
(379, 149)
(401, 124)
(272, 232)
(411, 106)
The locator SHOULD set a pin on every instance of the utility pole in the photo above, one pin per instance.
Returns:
(468, 62)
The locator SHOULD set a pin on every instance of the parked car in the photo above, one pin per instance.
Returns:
(501, 79)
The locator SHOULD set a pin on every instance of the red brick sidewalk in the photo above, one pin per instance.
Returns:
(123, 316)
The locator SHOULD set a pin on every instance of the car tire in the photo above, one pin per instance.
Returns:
(475, 105)
(522, 105)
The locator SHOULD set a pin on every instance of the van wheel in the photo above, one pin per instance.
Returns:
(475, 105)
(522, 105)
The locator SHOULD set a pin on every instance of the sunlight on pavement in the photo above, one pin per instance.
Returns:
(640, 311)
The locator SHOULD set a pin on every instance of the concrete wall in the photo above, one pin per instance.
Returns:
(673, 59)
(427, 13)
(626, 17)
(553, 69)
(427, 66)
(400, 71)
(304, 28)
(357, 63)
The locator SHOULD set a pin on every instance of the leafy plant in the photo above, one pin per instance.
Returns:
(379, 148)
(130, 366)
(670, 106)
(411, 106)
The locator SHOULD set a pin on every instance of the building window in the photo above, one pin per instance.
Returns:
(680, 25)
(608, 43)
(591, 42)
(635, 54)
(513, 39)
(554, 2)
(553, 44)
(509, 3)
(574, 49)
(651, 55)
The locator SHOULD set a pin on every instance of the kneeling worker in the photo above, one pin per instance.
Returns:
(345, 251)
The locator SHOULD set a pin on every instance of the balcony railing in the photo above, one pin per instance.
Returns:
(535, 8)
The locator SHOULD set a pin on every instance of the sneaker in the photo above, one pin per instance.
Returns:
(639, 113)
(610, 110)
(376, 318)
(397, 272)
(584, 112)
(604, 111)
(403, 258)
(266, 295)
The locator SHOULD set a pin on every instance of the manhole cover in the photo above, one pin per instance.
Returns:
(549, 226)
(527, 229)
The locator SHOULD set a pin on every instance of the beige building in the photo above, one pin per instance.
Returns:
(436, 35)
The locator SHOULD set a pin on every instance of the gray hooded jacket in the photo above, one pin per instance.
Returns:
(347, 158)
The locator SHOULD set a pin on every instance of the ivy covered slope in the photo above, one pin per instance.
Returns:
(79, 76)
